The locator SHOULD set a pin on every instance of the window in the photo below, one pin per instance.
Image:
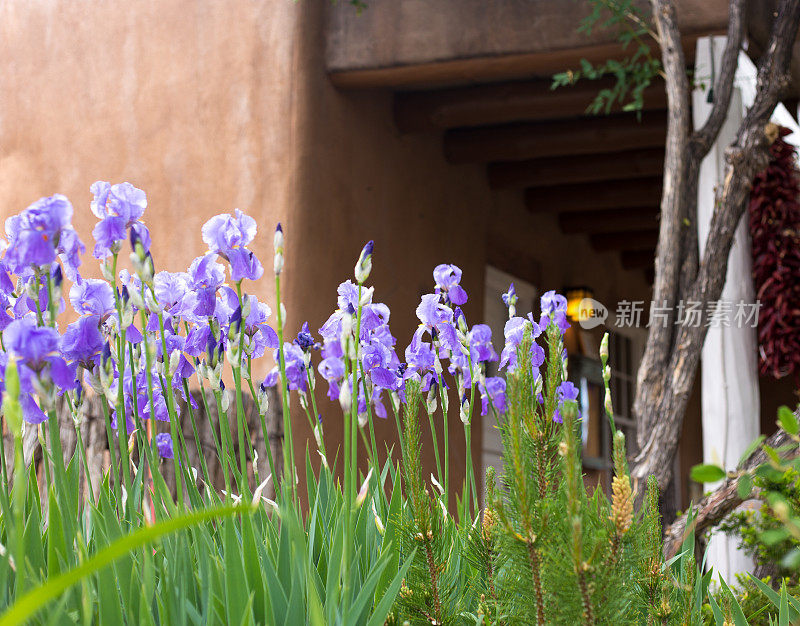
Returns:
(585, 372)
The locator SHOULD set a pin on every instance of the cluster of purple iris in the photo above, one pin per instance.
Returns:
(161, 329)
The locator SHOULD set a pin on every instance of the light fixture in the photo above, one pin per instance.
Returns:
(575, 295)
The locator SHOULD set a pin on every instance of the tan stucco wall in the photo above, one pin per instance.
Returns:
(193, 102)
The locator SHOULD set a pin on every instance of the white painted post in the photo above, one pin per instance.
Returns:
(730, 396)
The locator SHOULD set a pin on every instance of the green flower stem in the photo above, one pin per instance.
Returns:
(122, 421)
(111, 448)
(313, 394)
(469, 476)
(368, 401)
(145, 445)
(151, 402)
(81, 449)
(19, 496)
(261, 415)
(197, 443)
(173, 418)
(221, 448)
(241, 423)
(56, 452)
(227, 442)
(445, 410)
(122, 424)
(288, 444)
(396, 413)
(241, 427)
(439, 473)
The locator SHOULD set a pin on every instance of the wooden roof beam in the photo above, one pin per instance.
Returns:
(638, 259)
(611, 194)
(634, 240)
(613, 220)
(576, 168)
(498, 103)
(587, 135)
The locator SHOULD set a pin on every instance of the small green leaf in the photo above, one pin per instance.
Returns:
(745, 486)
(788, 420)
(707, 473)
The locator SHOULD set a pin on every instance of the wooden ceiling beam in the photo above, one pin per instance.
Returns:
(613, 220)
(576, 168)
(611, 194)
(498, 103)
(491, 67)
(638, 259)
(587, 135)
(633, 240)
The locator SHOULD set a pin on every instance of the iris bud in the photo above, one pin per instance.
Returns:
(430, 401)
(364, 264)
(263, 400)
(362, 493)
(318, 435)
(345, 397)
(174, 359)
(277, 243)
(604, 348)
(465, 414)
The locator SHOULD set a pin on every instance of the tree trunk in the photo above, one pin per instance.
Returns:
(672, 352)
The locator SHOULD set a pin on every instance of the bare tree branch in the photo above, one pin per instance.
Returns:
(668, 259)
(664, 391)
(713, 508)
(704, 138)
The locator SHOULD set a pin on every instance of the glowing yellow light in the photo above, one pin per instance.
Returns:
(574, 297)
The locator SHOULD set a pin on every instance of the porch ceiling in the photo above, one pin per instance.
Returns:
(600, 175)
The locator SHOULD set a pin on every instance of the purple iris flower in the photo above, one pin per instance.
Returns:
(567, 392)
(554, 306)
(39, 234)
(480, 342)
(514, 331)
(34, 344)
(332, 370)
(92, 296)
(261, 334)
(37, 349)
(164, 445)
(420, 357)
(493, 391)
(447, 279)
(304, 340)
(118, 207)
(205, 277)
(228, 236)
(173, 293)
(552, 301)
(437, 317)
(295, 366)
(82, 341)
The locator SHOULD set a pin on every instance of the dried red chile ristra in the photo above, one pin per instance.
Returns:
(774, 213)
